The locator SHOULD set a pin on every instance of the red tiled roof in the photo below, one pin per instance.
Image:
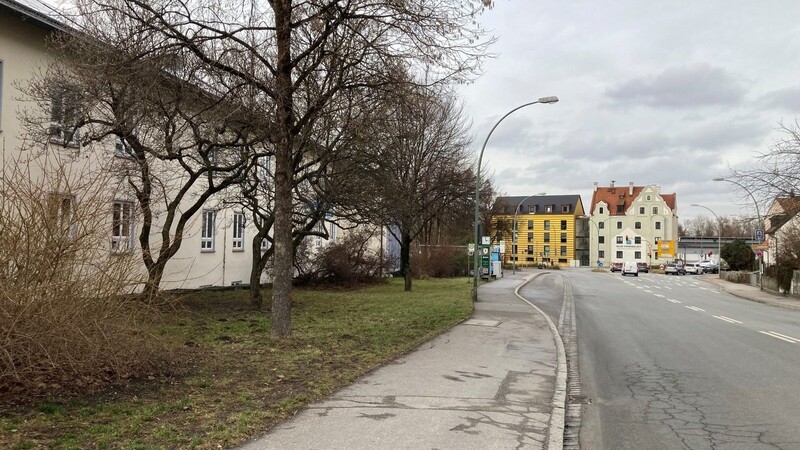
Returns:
(618, 195)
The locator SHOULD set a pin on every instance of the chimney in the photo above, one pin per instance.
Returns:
(612, 183)
(630, 188)
(595, 186)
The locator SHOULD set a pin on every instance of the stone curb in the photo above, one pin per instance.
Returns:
(779, 304)
(555, 429)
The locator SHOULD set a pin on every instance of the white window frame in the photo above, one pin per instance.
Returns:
(237, 243)
(59, 118)
(208, 232)
(60, 216)
(619, 239)
(120, 242)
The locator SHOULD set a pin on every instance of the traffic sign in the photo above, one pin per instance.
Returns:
(760, 235)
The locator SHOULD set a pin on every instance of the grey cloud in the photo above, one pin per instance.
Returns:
(720, 134)
(786, 98)
(684, 87)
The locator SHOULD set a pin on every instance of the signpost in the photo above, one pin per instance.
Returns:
(760, 235)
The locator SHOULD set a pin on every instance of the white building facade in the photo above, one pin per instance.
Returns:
(632, 223)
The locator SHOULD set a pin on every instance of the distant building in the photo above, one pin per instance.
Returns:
(781, 217)
(549, 228)
(632, 223)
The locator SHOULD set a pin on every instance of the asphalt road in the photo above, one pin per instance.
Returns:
(670, 362)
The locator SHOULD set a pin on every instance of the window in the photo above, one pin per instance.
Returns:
(620, 209)
(619, 225)
(238, 232)
(563, 250)
(641, 210)
(655, 209)
(332, 232)
(546, 224)
(657, 239)
(264, 168)
(530, 224)
(122, 226)
(619, 239)
(530, 236)
(656, 255)
(529, 250)
(514, 250)
(601, 239)
(637, 255)
(619, 254)
(121, 148)
(565, 208)
(601, 225)
(637, 240)
(546, 251)
(547, 237)
(563, 237)
(601, 254)
(208, 232)
(264, 244)
(64, 117)
(658, 225)
(563, 224)
(648, 198)
(532, 209)
(548, 208)
(638, 225)
(601, 210)
(59, 211)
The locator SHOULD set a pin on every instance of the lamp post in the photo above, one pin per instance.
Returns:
(760, 224)
(719, 232)
(475, 255)
(514, 244)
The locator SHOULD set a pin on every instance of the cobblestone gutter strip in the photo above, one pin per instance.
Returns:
(569, 333)
(555, 429)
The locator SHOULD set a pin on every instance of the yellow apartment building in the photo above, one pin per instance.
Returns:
(550, 229)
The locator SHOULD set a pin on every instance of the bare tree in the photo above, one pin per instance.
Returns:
(777, 172)
(276, 47)
(175, 145)
(417, 169)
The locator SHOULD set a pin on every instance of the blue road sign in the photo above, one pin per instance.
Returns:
(760, 235)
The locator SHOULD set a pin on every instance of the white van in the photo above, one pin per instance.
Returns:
(630, 268)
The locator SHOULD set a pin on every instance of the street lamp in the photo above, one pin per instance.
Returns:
(760, 224)
(719, 234)
(514, 244)
(475, 254)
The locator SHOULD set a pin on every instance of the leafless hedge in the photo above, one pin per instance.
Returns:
(62, 318)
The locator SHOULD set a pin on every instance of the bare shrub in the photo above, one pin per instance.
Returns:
(440, 262)
(62, 319)
(352, 261)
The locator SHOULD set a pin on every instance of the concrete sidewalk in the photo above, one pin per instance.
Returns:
(496, 381)
(753, 293)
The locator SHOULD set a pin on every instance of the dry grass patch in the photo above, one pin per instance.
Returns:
(236, 383)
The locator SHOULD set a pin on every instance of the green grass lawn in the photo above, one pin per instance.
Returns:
(231, 382)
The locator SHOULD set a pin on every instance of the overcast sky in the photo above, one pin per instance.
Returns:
(655, 92)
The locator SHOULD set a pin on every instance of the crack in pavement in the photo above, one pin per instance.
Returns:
(669, 403)
(527, 429)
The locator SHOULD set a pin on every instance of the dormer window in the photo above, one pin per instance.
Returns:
(565, 208)
(548, 208)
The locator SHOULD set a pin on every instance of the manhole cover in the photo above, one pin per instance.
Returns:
(482, 323)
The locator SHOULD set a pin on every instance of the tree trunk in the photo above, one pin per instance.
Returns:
(405, 260)
(281, 318)
(154, 275)
(257, 267)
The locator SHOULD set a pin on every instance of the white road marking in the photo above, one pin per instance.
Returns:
(727, 319)
(659, 295)
(673, 301)
(695, 308)
(782, 337)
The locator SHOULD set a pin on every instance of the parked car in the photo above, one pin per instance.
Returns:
(694, 268)
(674, 269)
(643, 267)
(630, 268)
(616, 267)
(708, 266)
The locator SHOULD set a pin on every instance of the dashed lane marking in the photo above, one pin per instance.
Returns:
(673, 300)
(659, 295)
(695, 308)
(727, 319)
(782, 337)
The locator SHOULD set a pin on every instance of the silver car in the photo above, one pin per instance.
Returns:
(694, 268)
